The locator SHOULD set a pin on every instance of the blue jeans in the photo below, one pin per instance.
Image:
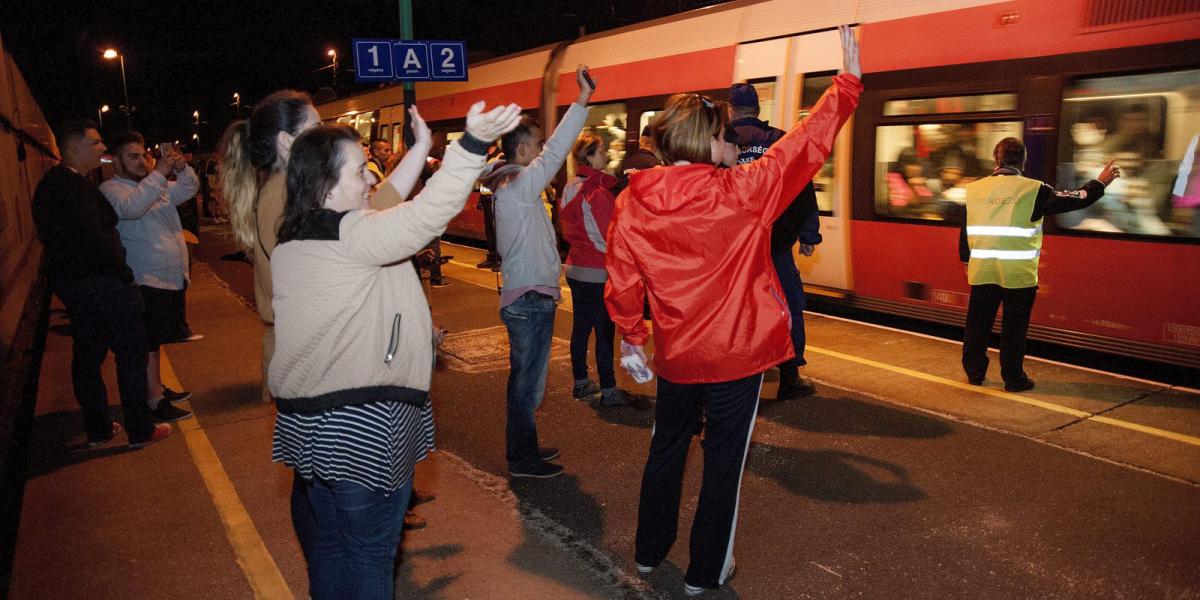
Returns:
(591, 314)
(355, 534)
(530, 324)
(793, 292)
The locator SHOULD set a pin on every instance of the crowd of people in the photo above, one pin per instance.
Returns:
(695, 231)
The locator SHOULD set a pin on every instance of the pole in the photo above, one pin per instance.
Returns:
(410, 90)
(125, 88)
(100, 111)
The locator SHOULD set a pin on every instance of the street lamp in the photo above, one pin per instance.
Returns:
(237, 102)
(101, 111)
(332, 54)
(110, 54)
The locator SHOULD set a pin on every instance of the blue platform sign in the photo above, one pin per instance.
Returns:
(409, 60)
(373, 60)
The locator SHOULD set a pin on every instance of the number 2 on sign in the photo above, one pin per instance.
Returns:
(448, 56)
(374, 50)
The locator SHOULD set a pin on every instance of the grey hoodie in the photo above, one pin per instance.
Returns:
(524, 233)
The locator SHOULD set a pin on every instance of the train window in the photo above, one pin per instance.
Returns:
(647, 116)
(1150, 123)
(608, 122)
(813, 85)
(397, 136)
(950, 105)
(921, 170)
(766, 97)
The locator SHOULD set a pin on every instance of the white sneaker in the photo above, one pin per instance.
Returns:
(692, 590)
(643, 569)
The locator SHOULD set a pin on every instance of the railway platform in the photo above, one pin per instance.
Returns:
(897, 480)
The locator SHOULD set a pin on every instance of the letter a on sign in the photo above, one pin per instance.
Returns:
(410, 59)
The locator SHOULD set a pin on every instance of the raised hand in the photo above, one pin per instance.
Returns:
(850, 62)
(421, 133)
(487, 126)
(1110, 172)
(585, 88)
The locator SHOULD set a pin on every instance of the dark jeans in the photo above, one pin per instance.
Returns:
(729, 408)
(591, 314)
(107, 314)
(350, 538)
(981, 313)
(530, 324)
(793, 292)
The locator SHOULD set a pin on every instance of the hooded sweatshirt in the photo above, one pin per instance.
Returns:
(695, 240)
(585, 210)
(524, 233)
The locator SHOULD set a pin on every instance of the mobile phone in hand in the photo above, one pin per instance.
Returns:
(588, 78)
(164, 149)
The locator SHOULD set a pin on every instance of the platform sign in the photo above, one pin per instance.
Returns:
(449, 60)
(409, 60)
(373, 60)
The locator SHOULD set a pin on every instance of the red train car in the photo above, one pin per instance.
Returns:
(1079, 80)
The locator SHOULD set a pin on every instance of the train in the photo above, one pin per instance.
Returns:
(1080, 81)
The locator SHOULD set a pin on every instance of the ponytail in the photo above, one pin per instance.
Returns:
(239, 182)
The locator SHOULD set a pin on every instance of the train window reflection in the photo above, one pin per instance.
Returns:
(950, 105)
(608, 122)
(814, 85)
(1150, 124)
(921, 171)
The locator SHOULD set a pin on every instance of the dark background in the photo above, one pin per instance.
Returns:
(187, 56)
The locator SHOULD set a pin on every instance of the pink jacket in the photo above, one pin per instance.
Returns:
(585, 209)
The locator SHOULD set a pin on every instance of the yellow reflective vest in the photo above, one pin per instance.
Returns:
(1004, 240)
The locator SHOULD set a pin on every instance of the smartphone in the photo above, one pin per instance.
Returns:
(164, 149)
(588, 78)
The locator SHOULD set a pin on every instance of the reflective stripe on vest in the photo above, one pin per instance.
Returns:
(1004, 239)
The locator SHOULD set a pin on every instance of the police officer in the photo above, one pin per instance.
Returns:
(1000, 243)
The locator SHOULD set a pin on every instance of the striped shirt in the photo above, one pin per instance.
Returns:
(375, 444)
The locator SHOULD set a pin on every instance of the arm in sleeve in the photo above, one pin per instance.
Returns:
(625, 291)
(404, 177)
(1052, 202)
(534, 178)
(771, 182)
(184, 188)
(401, 231)
(810, 229)
(133, 203)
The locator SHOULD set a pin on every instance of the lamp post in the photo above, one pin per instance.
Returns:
(100, 112)
(237, 103)
(332, 54)
(196, 126)
(110, 54)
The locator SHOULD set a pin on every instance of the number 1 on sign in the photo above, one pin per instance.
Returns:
(374, 50)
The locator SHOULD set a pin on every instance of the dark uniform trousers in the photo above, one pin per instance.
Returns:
(729, 409)
(981, 313)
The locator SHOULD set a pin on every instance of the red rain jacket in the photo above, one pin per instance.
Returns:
(696, 240)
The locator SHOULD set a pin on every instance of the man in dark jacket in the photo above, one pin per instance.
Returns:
(799, 222)
(86, 266)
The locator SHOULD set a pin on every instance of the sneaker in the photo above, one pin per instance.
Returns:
(548, 453)
(585, 388)
(161, 431)
(643, 569)
(441, 283)
(1021, 385)
(795, 391)
(490, 263)
(167, 413)
(116, 428)
(171, 395)
(421, 497)
(544, 470)
(414, 521)
(692, 590)
(615, 397)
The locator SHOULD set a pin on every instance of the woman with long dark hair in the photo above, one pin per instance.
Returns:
(695, 239)
(354, 345)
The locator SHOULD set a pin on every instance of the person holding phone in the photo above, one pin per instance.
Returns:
(695, 240)
(145, 202)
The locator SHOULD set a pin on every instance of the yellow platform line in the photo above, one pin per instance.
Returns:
(252, 556)
(1050, 406)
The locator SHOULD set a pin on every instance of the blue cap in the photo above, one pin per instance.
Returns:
(743, 95)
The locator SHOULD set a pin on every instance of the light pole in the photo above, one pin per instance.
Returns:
(196, 134)
(111, 54)
(101, 111)
(237, 103)
(332, 54)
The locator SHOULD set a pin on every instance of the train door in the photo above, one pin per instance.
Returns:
(790, 75)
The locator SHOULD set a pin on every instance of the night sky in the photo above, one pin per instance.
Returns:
(186, 56)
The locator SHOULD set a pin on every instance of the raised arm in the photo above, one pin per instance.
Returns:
(401, 231)
(184, 187)
(542, 169)
(1052, 202)
(771, 182)
(404, 177)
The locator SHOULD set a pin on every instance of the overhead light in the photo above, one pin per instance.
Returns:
(110, 54)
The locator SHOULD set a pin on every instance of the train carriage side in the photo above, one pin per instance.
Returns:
(1118, 277)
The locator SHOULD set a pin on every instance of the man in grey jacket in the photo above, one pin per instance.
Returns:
(530, 266)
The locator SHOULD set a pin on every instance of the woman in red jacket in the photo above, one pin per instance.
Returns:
(695, 239)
